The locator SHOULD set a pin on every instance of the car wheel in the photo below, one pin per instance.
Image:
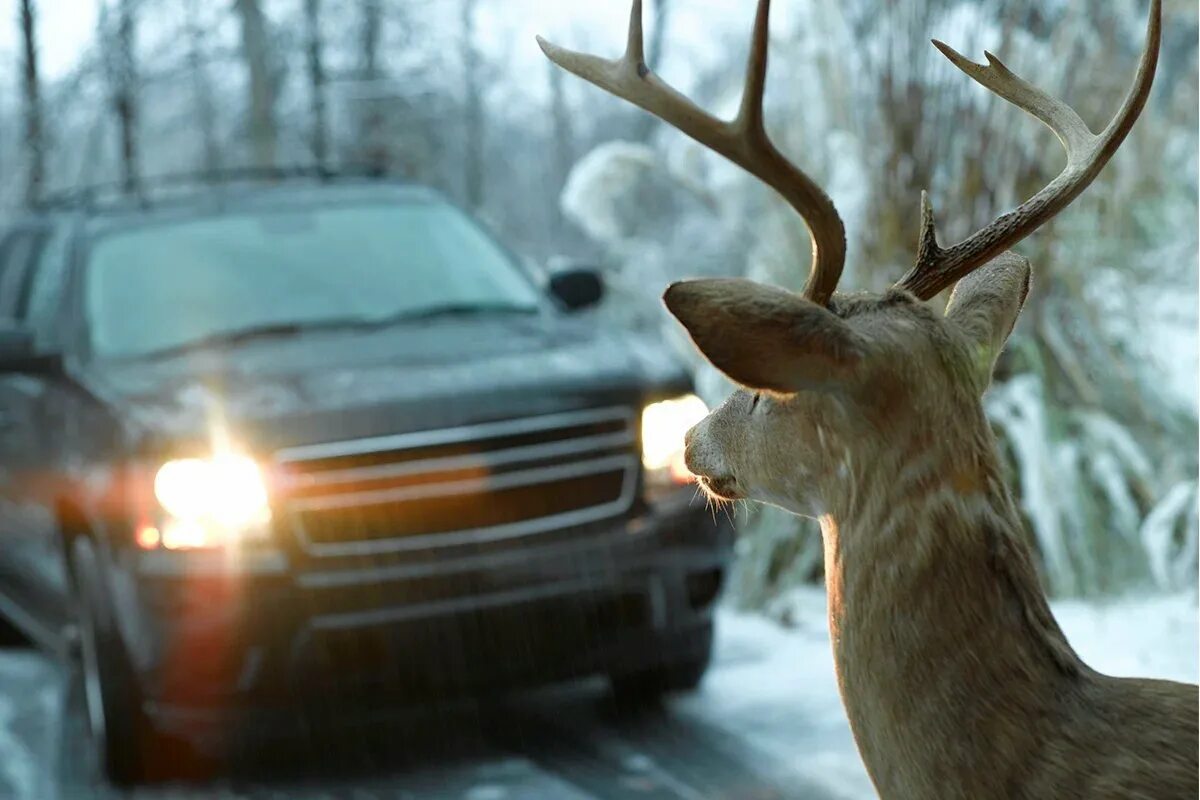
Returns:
(10, 636)
(119, 730)
(682, 674)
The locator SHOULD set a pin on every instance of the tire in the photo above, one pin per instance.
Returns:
(121, 734)
(11, 637)
(683, 674)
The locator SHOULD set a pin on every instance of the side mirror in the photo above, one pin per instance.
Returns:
(18, 353)
(576, 287)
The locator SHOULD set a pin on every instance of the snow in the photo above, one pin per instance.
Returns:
(1110, 477)
(1080, 473)
(1158, 532)
(772, 692)
(598, 184)
(1019, 408)
(775, 690)
(1138, 636)
(774, 687)
(19, 776)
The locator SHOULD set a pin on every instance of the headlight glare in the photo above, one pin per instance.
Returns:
(664, 425)
(213, 499)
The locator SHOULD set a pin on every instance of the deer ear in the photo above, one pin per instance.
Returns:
(763, 337)
(985, 305)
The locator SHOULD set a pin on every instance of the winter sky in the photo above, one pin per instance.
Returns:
(66, 27)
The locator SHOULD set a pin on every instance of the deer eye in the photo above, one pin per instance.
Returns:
(754, 398)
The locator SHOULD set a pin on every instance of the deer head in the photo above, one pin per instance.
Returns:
(830, 390)
(832, 384)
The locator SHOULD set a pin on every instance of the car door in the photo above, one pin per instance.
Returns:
(29, 584)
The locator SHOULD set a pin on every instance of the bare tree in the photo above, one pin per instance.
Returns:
(202, 89)
(374, 142)
(120, 72)
(316, 81)
(256, 52)
(646, 124)
(658, 38)
(472, 109)
(35, 141)
(562, 139)
(370, 32)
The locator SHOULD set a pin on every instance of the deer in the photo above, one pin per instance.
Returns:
(865, 412)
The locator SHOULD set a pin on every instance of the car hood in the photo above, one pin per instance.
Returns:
(332, 386)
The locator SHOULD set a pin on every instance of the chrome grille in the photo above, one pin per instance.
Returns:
(475, 483)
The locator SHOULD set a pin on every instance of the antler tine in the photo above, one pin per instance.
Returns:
(635, 47)
(1087, 154)
(750, 115)
(743, 141)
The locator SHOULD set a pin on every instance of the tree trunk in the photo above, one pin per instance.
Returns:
(202, 90)
(562, 144)
(371, 134)
(316, 81)
(473, 187)
(124, 82)
(646, 124)
(255, 50)
(35, 142)
(372, 29)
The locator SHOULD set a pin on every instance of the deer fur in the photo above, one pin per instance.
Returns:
(957, 681)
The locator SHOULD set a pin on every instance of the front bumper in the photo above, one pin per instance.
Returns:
(204, 630)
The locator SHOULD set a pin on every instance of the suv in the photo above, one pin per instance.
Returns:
(262, 443)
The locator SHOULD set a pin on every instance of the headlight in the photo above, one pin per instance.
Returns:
(209, 502)
(664, 425)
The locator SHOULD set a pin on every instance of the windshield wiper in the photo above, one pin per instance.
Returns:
(288, 329)
(450, 310)
(240, 335)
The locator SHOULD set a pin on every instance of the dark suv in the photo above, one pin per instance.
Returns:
(267, 445)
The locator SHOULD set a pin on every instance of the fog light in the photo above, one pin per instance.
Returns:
(187, 534)
(148, 537)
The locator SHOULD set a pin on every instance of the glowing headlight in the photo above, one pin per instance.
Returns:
(663, 427)
(211, 500)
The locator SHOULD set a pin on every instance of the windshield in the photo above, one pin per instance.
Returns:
(162, 287)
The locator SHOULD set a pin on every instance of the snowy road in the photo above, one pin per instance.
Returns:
(563, 744)
(767, 725)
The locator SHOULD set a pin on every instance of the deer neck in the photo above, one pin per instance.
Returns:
(942, 637)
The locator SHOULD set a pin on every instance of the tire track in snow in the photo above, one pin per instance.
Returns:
(563, 744)
(18, 762)
(650, 754)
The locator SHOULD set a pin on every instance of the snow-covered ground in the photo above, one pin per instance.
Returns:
(767, 723)
(774, 686)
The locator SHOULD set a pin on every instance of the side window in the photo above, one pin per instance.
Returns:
(16, 256)
(42, 303)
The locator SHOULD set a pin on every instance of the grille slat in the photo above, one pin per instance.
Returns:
(514, 478)
(411, 445)
(443, 470)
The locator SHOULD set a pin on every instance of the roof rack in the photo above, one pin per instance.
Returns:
(147, 191)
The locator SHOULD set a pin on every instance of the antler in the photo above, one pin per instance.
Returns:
(743, 141)
(1087, 153)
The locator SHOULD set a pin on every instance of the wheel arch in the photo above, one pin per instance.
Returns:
(73, 524)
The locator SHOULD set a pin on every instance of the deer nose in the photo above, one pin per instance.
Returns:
(689, 450)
